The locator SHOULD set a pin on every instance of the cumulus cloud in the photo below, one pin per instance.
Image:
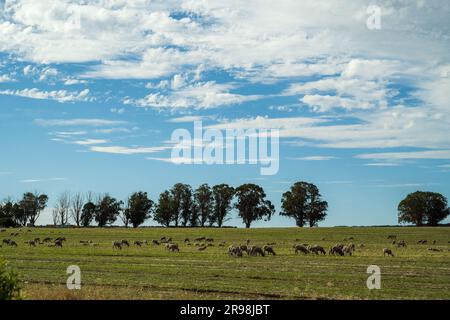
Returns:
(197, 95)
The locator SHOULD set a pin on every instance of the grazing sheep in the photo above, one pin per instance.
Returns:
(155, 242)
(348, 249)
(300, 248)
(210, 244)
(32, 243)
(186, 240)
(47, 240)
(117, 244)
(6, 241)
(317, 249)
(209, 240)
(125, 243)
(401, 243)
(269, 250)
(138, 243)
(172, 247)
(61, 239)
(201, 248)
(162, 238)
(337, 250)
(392, 236)
(244, 248)
(59, 243)
(256, 250)
(221, 244)
(434, 249)
(200, 239)
(388, 252)
(234, 251)
(12, 243)
(422, 242)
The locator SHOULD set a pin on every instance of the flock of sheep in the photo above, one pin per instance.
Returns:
(202, 243)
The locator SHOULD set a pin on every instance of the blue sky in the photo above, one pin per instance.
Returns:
(90, 92)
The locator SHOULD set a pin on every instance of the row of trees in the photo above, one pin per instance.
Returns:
(204, 206)
(179, 206)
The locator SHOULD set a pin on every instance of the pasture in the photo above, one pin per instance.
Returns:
(152, 272)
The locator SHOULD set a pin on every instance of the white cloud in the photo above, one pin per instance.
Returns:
(77, 122)
(185, 119)
(5, 78)
(198, 96)
(127, 150)
(429, 154)
(57, 95)
(69, 82)
(48, 73)
(88, 142)
(317, 158)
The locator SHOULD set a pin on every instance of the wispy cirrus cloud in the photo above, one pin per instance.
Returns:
(316, 158)
(92, 122)
(61, 96)
(413, 155)
(127, 150)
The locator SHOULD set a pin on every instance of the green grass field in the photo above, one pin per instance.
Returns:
(151, 272)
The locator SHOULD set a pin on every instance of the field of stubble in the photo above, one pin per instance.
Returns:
(151, 272)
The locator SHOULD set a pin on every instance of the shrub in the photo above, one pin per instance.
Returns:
(9, 282)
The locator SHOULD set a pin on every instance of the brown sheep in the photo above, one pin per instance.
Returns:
(12, 243)
(337, 250)
(317, 249)
(117, 244)
(138, 243)
(234, 251)
(401, 243)
(269, 250)
(172, 247)
(256, 250)
(300, 248)
(32, 243)
(244, 248)
(388, 252)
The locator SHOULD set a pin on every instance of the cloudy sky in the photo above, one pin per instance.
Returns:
(90, 92)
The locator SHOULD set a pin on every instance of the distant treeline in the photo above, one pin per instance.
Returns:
(183, 206)
(206, 206)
